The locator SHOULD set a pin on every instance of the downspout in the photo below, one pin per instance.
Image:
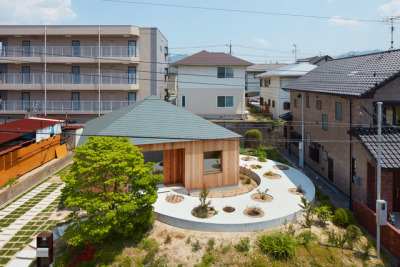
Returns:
(351, 162)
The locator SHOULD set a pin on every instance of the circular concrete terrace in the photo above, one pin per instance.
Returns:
(285, 205)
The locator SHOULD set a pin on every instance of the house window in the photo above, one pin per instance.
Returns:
(212, 162)
(75, 100)
(225, 72)
(324, 122)
(318, 104)
(338, 111)
(26, 99)
(273, 103)
(314, 152)
(132, 75)
(26, 48)
(295, 103)
(286, 105)
(131, 98)
(183, 101)
(165, 50)
(307, 100)
(76, 51)
(26, 75)
(261, 82)
(131, 48)
(269, 102)
(225, 101)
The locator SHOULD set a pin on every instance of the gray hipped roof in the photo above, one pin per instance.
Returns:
(154, 121)
(352, 76)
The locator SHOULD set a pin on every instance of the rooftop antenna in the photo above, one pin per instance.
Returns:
(295, 52)
(390, 20)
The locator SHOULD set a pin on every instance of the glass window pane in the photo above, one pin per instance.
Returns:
(389, 114)
(229, 72)
(338, 109)
(212, 161)
(221, 72)
(221, 101)
(324, 122)
(131, 98)
(183, 101)
(397, 116)
(229, 102)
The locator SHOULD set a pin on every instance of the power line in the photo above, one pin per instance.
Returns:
(242, 11)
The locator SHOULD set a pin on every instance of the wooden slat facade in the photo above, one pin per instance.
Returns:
(185, 161)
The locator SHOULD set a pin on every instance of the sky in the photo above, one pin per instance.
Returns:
(256, 34)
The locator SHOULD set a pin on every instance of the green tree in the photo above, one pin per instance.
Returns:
(114, 188)
(253, 139)
(308, 209)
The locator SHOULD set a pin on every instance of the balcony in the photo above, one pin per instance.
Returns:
(70, 54)
(69, 81)
(57, 107)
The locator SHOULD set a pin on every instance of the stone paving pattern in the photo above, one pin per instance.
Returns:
(24, 218)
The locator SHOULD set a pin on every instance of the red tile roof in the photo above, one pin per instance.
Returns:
(205, 58)
(15, 129)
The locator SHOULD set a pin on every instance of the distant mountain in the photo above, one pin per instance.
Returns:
(357, 53)
(177, 57)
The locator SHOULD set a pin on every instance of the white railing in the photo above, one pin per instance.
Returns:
(69, 78)
(63, 106)
(68, 51)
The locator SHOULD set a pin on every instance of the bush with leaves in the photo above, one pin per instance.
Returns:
(110, 181)
(243, 245)
(324, 214)
(253, 139)
(353, 234)
(308, 209)
(343, 217)
(306, 237)
(201, 211)
(278, 245)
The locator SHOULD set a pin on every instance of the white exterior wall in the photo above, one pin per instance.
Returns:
(201, 87)
(253, 83)
(275, 93)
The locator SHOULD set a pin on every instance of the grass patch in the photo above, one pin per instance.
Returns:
(4, 260)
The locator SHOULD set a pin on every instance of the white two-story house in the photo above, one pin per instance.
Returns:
(212, 85)
(275, 100)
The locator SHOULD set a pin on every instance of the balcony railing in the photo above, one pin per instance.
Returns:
(69, 78)
(63, 106)
(68, 51)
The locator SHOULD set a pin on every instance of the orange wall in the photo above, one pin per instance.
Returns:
(23, 160)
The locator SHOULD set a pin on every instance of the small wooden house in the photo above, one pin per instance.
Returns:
(194, 149)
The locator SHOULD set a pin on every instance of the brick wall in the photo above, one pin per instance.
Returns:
(390, 236)
(387, 188)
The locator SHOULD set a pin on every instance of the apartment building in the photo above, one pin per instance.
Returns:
(79, 71)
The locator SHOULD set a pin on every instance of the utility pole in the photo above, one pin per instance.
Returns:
(99, 72)
(295, 52)
(230, 47)
(378, 177)
(390, 20)
(45, 70)
(301, 146)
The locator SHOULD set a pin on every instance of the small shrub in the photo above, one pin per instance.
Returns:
(207, 259)
(353, 234)
(324, 214)
(188, 241)
(167, 239)
(343, 218)
(262, 193)
(149, 257)
(243, 245)
(278, 245)
(226, 249)
(149, 244)
(307, 237)
(328, 203)
(253, 139)
(340, 240)
(262, 158)
(308, 209)
(331, 237)
(196, 246)
(254, 210)
(211, 243)
(366, 250)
